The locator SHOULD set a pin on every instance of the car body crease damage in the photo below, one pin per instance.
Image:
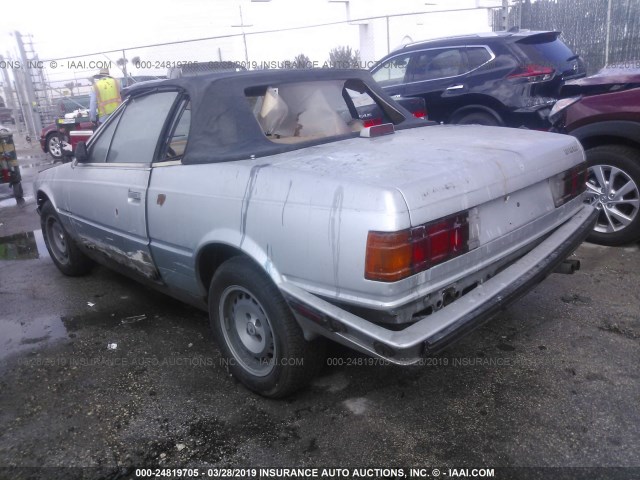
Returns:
(334, 232)
(246, 199)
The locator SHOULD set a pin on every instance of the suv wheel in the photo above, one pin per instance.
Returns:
(613, 187)
(478, 118)
(54, 145)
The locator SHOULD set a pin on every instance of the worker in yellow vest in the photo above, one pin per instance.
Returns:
(105, 96)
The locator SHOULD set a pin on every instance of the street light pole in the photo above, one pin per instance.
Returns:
(505, 14)
(244, 36)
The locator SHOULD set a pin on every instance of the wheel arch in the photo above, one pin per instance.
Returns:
(609, 133)
(41, 198)
(213, 253)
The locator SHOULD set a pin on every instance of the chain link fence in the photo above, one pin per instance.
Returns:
(602, 32)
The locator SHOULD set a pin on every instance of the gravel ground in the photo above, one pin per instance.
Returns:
(551, 382)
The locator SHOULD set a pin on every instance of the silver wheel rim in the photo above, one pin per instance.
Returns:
(615, 194)
(247, 331)
(54, 146)
(57, 241)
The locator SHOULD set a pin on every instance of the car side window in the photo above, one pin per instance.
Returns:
(139, 129)
(177, 142)
(99, 148)
(392, 72)
(440, 63)
(476, 57)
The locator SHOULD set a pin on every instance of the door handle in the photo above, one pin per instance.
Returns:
(455, 87)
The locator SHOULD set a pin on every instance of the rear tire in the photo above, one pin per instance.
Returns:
(63, 251)
(478, 118)
(614, 188)
(260, 339)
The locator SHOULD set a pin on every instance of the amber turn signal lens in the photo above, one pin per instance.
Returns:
(389, 256)
(392, 256)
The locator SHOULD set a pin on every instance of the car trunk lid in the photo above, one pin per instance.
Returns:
(440, 170)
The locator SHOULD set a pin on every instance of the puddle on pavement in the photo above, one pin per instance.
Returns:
(23, 246)
(18, 336)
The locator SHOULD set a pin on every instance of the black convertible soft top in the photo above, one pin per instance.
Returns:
(223, 126)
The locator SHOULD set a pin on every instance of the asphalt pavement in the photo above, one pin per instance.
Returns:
(103, 372)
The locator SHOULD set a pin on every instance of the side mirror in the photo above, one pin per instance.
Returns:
(81, 152)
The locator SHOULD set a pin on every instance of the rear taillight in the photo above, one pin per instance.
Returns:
(392, 256)
(568, 184)
(420, 114)
(533, 73)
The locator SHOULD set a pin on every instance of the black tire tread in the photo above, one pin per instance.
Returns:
(312, 353)
(490, 120)
(79, 264)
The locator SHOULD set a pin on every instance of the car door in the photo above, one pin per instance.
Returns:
(107, 197)
(435, 75)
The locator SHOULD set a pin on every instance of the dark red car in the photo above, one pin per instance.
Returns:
(603, 112)
(52, 134)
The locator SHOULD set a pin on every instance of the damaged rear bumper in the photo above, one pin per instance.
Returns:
(434, 332)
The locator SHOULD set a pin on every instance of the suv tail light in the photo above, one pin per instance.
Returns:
(533, 73)
(569, 184)
(372, 122)
(392, 256)
(420, 114)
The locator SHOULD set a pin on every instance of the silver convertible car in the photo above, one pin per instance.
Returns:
(264, 199)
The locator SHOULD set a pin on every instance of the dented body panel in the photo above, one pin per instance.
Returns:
(304, 212)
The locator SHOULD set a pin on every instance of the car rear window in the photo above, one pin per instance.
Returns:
(299, 112)
(552, 53)
(69, 104)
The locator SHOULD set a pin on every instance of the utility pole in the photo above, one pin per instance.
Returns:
(124, 65)
(505, 15)
(244, 36)
(34, 125)
(8, 94)
(520, 2)
(606, 47)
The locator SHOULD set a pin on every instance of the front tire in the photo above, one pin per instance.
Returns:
(263, 345)
(613, 187)
(63, 251)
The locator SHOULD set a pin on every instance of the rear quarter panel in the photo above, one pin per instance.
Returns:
(297, 226)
